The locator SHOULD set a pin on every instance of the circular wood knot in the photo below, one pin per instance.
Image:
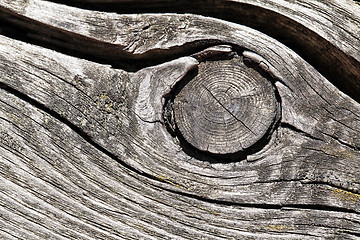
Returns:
(226, 108)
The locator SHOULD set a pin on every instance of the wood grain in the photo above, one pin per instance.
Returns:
(226, 108)
(324, 33)
(86, 152)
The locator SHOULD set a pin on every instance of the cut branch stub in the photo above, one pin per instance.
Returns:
(226, 108)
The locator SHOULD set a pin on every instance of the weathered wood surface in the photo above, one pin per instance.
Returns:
(226, 108)
(87, 154)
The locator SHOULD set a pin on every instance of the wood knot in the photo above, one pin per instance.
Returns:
(226, 108)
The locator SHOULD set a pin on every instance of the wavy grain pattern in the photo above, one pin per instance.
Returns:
(92, 145)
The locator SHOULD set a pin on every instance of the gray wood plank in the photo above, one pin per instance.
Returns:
(85, 152)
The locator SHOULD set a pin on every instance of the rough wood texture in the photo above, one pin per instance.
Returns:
(86, 149)
(226, 108)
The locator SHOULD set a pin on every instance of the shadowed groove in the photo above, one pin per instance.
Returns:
(326, 58)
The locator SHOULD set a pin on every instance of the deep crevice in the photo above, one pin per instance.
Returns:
(26, 30)
(295, 129)
(342, 142)
(284, 207)
(88, 139)
(308, 44)
(73, 127)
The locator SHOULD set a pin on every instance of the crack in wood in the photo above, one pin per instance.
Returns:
(239, 120)
(295, 129)
(307, 45)
(179, 192)
(213, 182)
(342, 142)
(77, 130)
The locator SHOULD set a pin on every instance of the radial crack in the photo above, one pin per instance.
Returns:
(217, 100)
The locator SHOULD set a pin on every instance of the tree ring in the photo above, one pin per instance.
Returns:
(226, 108)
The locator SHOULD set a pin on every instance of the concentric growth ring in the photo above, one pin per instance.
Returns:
(226, 108)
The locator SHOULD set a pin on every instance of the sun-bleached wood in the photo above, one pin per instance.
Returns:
(85, 152)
